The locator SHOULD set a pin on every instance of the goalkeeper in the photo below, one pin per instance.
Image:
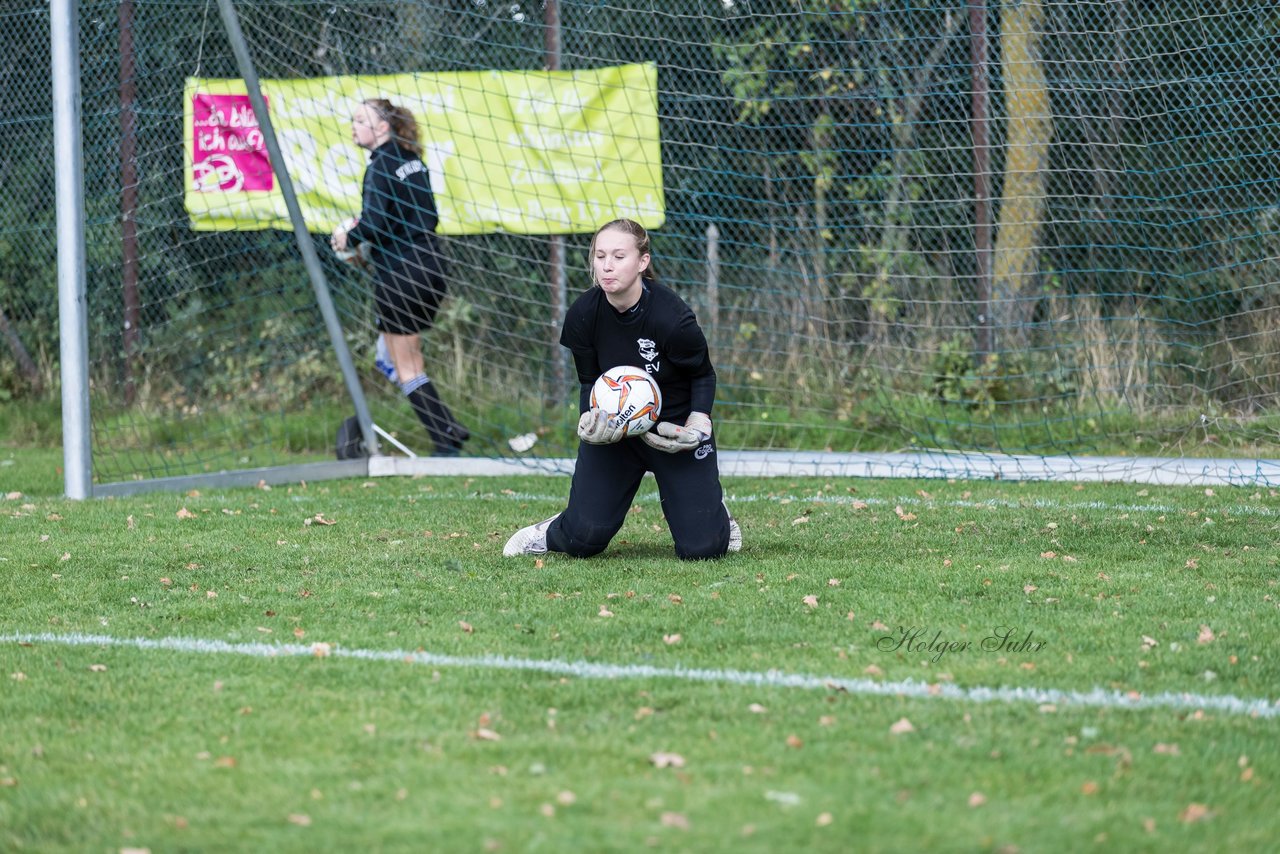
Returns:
(627, 318)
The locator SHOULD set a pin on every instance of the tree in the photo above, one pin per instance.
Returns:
(1015, 267)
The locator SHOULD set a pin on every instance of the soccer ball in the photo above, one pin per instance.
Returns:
(629, 393)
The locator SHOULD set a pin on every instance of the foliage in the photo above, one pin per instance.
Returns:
(829, 144)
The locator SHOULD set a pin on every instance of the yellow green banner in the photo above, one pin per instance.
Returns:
(530, 152)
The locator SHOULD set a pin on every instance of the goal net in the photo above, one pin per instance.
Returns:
(992, 239)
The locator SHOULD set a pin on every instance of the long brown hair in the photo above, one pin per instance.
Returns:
(404, 127)
(636, 230)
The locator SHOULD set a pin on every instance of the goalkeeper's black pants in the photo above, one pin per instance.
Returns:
(605, 481)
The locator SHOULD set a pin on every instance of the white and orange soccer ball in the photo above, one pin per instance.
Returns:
(629, 393)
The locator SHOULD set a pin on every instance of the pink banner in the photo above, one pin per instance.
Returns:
(230, 153)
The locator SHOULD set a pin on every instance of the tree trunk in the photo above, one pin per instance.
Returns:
(26, 365)
(1015, 268)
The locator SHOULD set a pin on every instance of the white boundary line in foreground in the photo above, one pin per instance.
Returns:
(1095, 698)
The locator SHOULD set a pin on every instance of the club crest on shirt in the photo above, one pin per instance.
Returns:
(648, 349)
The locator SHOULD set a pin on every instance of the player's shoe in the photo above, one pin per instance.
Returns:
(529, 541)
(735, 533)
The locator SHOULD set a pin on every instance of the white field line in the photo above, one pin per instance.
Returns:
(1095, 698)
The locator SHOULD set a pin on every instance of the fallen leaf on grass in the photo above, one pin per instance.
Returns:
(662, 759)
(675, 819)
(300, 819)
(466, 627)
(901, 726)
(1194, 812)
(1206, 635)
(184, 513)
(605, 612)
(98, 668)
(977, 799)
(756, 709)
(485, 734)
(811, 601)
(670, 640)
(824, 819)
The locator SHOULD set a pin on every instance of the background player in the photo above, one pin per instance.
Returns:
(398, 221)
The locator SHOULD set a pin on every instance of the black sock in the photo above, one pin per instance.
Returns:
(445, 432)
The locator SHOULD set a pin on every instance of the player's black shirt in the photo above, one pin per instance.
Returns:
(398, 209)
(660, 334)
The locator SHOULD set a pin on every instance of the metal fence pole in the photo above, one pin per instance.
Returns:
(557, 251)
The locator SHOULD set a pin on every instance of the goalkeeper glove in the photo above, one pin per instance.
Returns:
(595, 427)
(672, 439)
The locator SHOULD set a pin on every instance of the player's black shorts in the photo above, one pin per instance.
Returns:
(408, 290)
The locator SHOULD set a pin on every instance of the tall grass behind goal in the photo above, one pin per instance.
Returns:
(1032, 228)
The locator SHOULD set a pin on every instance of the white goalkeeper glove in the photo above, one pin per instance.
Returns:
(595, 427)
(672, 438)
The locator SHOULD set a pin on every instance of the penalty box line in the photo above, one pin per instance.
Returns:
(1096, 698)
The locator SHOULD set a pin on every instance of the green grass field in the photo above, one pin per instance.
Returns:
(353, 665)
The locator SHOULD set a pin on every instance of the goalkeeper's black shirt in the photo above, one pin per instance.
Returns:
(660, 334)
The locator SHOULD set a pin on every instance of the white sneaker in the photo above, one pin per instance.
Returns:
(735, 534)
(529, 541)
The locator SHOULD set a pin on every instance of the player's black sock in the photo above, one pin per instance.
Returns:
(446, 433)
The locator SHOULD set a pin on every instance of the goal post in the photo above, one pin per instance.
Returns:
(988, 239)
(298, 223)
